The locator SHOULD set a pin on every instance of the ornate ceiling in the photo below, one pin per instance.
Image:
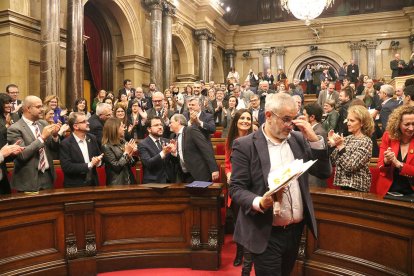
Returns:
(251, 12)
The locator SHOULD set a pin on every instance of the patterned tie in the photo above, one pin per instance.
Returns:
(13, 108)
(158, 144)
(42, 156)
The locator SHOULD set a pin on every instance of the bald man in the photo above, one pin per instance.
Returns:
(397, 66)
(33, 168)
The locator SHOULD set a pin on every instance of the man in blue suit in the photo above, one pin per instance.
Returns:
(271, 226)
(155, 153)
(79, 154)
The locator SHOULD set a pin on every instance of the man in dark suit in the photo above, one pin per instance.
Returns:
(97, 121)
(127, 90)
(195, 153)
(388, 104)
(13, 91)
(352, 71)
(271, 226)
(256, 110)
(199, 118)
(217, 105)
(79, 154)
(155, 153)
(33, 167)
(144, 102)
(345, 97)
(397, 66)
(158, 110)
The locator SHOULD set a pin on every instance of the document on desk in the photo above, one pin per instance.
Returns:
(199, 184)
(282, 176)
(156, 185)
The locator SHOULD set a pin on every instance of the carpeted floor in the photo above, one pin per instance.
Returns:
(226, 269)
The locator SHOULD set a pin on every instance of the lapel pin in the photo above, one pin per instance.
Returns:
(411, 151)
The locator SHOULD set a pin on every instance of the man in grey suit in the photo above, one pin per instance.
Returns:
(328, 94)
(271, 226)
(33, 168)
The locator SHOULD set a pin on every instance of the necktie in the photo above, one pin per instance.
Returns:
(158, 144)
(42, 156)
(13, 106)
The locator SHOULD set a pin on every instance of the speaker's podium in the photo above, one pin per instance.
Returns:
(85, 231)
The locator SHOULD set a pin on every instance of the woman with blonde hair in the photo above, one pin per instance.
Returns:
(352, 154)
(395, 159)
(119, 155)
(52, 101)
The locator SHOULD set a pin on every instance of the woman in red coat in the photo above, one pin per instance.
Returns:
(241, 125)
(396, 159)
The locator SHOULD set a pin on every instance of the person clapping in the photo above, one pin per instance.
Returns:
(352, 154)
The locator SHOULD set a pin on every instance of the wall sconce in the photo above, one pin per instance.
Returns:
(395, 44)
(313, 48)
(246, 54)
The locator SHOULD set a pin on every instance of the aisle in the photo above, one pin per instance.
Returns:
(226, 269)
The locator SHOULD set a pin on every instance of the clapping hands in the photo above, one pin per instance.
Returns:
(335, 140)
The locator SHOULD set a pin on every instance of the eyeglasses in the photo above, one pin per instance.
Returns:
(157, 101)
(82, 122)
(286, 120)
(38, 106)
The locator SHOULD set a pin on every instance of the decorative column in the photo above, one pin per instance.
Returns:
(211, 39)
(202, 36)
(411, 40)
(266, 53)
(156, 9)
(74, 52)
(230, 55)
(280, 57)
(372, 65)
(167, 18)
(355, 51)
(50, 49)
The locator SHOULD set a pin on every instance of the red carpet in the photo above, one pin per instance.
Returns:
(226, 269)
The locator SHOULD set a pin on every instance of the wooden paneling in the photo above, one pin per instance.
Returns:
(88, 230)
(361, 233)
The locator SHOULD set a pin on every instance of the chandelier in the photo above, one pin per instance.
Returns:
(306, 9)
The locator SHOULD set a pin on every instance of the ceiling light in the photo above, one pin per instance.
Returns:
(306, 9)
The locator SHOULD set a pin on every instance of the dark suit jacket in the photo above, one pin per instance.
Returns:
(352, 76)
(396, 71)
(4, 182)
(261, 116)
(117, 166)
(198, 154)
(74, 168)
(96, 128)
(25, 173)
(156, 170)
(139, 129)
(123, 91)
(251, 165)
(209, 127)
(386, 110)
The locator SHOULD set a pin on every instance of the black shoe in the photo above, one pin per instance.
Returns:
(239, 256)
(247, 263)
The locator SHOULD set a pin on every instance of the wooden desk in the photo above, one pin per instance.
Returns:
(359, 234)
(85, 231)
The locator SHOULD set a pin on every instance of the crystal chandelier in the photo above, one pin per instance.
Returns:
(306, 9)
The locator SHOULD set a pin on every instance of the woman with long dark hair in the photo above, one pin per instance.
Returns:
(81, 105)
(119, 155)
(241, 125)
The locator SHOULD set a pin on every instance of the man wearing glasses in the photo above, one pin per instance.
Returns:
(271, 226)
(13, 91)
(158, 110)
(79, 154)
(33, 167)
(97, 121)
